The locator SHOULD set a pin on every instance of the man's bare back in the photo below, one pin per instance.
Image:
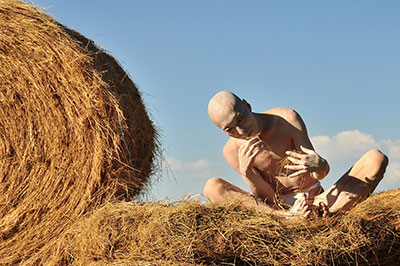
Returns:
(258, 144)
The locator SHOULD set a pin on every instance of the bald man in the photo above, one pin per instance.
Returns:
(259, 144)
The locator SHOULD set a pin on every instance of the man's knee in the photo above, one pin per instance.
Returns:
(377, 160)
(213, 189)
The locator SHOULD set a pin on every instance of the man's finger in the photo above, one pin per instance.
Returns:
(249, 143)
(304, 209)
(295, 154)
(254, 146)
(306, 150)
(303, 200)
(295, 167)
(253, 140)
(242, 150)
(307, 214)
(254, 154)
(294, 160)
(298, 173)
(245, 147)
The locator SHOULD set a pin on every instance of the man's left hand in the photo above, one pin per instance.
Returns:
(309, 161)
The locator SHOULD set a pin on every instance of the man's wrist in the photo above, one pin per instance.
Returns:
(322, 170)
(248, 173)
(315, 175)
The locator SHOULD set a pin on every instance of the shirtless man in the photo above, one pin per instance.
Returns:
(258, 144)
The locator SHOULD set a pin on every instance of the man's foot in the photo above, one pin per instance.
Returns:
(322, 210)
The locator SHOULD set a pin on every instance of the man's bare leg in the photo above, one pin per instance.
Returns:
(219, 190)
(356, 184)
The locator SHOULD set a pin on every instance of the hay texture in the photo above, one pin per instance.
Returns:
(191, 233)
(74, 132)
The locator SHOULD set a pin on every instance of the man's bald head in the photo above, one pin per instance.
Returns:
(232, 115)
(222, 105)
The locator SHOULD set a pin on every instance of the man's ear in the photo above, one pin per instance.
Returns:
(246, 104)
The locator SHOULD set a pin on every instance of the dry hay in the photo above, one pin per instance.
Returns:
(74, 132)
(193, 233)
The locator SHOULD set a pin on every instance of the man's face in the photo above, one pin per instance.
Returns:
(238, 121)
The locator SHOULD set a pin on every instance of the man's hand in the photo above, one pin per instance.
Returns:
(309, 161)
(299, 209)
(247, 153)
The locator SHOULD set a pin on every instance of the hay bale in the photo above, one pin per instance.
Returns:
(74, 132)
(192, 233)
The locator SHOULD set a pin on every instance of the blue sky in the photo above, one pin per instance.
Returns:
(337, 63)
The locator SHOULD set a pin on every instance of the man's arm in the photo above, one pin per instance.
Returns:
(309, 160)
(242, 161)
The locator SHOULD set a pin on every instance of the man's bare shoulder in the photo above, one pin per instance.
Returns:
(231, 147)
(230, 152)
(289, 114)
(285, 112)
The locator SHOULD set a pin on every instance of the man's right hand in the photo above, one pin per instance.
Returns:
(300, 209)
(247, 153)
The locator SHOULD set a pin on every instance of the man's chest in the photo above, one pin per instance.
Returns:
(270, 161)
(271, 158)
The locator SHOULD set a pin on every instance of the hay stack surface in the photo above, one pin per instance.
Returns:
(74, 132)
(190, 233)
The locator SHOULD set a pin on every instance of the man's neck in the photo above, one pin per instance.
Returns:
(266, 122)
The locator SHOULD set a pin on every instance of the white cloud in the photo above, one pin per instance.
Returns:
(348, 146)
(344, 145)
(190, 169)
(393, 174)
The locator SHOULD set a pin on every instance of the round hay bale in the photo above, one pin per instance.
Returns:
(74, 132)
